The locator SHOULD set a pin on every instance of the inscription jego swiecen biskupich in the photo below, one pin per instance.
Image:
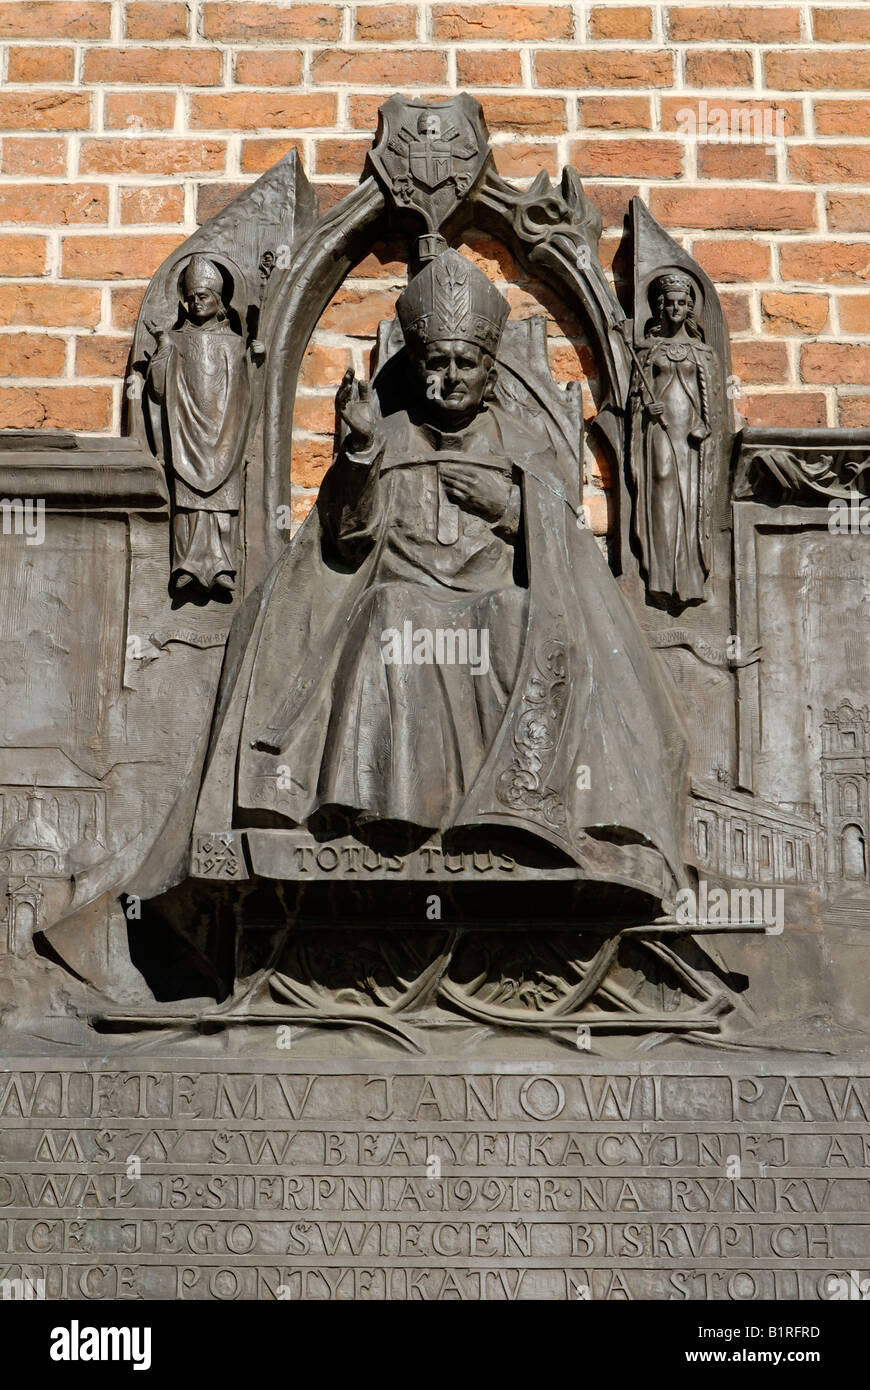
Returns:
(492, 900)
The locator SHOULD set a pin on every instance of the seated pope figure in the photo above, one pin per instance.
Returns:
(433, 489)
(442, 646)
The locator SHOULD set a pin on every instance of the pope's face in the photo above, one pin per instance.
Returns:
(201, 305)
(454, 377)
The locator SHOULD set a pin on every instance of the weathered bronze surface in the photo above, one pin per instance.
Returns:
(441, 859)
(198, 380)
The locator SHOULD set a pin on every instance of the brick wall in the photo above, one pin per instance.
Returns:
(123, 125)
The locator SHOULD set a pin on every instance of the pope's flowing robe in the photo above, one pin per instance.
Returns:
(569, 735)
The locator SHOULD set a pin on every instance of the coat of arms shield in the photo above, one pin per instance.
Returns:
(428, 154)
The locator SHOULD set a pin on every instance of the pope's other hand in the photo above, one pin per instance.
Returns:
(480, 490)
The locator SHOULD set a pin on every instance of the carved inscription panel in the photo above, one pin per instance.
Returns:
(414, 1182)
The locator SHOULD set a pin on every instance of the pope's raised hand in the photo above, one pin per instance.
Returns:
(357, 405)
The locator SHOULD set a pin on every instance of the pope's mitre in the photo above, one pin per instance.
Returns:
(451, 300)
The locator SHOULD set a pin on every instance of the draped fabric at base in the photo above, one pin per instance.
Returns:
(205, 544)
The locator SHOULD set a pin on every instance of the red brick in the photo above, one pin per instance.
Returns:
(357, 313)
(599, 470)
(844, 117)
(792, 409)
(524, 160)
(153, 204)
(52, 204)
(615, 113)
(190, 67)
(611, 200)
(829, 163)
(386, 23)
(719, 68)
(757, 209)
(835, 364)
(390, 67)
(733, 260)
(126, 303)
(323, 366)
(566, 361)
(507, 23)
(301, 504)
(33, 155)
(212, 198)
(34, 65)
(841, 25)
(748, 162)
(315, 414)
(102, 356)
(762, 364)
(539, 301)
(31, 354)
(658, 159)
(745, 23)
(385, 261)
(56, 407)
(278, 69)
(45, 111)
(259, 155)
(854, 412)
(855, 313)
(489, 67)
(608, 247)
(48, 306)
(153, 20)
(42, 19)
(746, 118)
(521, 113)
(490, 256)
(341, 156)
(577, 68)
(262, 111)
(597, 510)
(309, 461)
(117, 257)
(811, 71)
(792, 314)
(258, 22)
(152, 156)
(736, 309)
(23, 255)
(136, 111)
(622, 22)
(847, 212)
(826, 262)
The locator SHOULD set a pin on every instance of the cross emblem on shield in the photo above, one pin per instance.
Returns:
(429, 154)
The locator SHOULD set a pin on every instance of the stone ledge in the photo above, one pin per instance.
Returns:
(80, 471)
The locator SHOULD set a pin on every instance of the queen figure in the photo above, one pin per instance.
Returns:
(671, 460)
